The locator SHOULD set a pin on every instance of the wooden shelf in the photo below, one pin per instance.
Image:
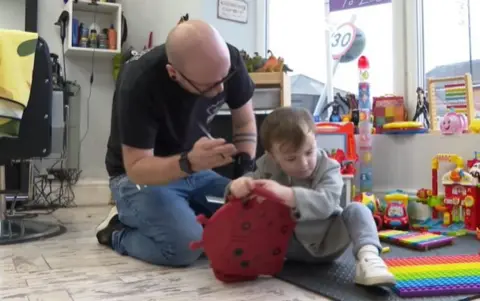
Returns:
(81, 51)
(105, 14)
(279, 80)
(100, 7)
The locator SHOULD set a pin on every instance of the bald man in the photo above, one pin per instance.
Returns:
(159, 159)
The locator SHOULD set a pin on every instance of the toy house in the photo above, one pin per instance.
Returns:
(460, 203)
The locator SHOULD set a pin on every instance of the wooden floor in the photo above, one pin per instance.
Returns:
(74, 267)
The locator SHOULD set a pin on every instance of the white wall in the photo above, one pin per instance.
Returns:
(92, 155)
(12, 14)
(160, 16)
(404, 161)
(243, 36)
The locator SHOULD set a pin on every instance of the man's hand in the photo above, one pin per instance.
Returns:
(242, 187)
(210, 153)
(282, 192)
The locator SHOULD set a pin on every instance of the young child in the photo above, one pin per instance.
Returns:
(311, 184)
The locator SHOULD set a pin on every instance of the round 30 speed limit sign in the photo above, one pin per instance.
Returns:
(342, 40)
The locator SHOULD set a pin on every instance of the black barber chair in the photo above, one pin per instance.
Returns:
(34, 141)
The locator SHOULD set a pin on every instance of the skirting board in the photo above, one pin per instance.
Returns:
(92, 192)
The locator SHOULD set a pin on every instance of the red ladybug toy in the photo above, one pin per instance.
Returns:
(244, 240)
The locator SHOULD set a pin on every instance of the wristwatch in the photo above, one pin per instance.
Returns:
(185, 164)
(242, 164)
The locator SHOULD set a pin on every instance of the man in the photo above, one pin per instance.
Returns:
(158, 159)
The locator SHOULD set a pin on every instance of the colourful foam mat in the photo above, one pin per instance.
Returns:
(436, 275)
(335, 280)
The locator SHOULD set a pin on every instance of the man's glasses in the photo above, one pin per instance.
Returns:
(230, 74)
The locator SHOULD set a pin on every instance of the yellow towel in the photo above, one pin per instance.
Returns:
(17, 56)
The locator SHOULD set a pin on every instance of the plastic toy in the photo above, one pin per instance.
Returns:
(397, 196)
(365, 127)
(341, 106)
(415, 240)
(244, 240)
(474, 166)
(396, 216)
(347, 166)
(404, 127)
(458, 211)
(474, 126)
(456, 93)
(453, 123)
(421, 111)
(345, 152)
(387, 109)
(371, 202)
(436, 275)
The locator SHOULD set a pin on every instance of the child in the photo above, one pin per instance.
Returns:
(311, 184)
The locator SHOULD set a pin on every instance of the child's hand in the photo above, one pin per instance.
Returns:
(282, 192)
(242, 187)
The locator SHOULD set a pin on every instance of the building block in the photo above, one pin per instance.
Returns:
(415, 240)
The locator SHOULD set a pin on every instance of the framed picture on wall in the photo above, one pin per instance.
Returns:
(233, 10)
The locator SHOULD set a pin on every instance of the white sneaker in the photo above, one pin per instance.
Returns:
(371, 270)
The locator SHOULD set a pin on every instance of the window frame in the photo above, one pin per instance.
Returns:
(406, 71)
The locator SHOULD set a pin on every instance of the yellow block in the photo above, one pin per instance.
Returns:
(410, 269)
(420, 237)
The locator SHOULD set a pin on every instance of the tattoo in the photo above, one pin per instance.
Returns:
(243, 140)
(245, 135)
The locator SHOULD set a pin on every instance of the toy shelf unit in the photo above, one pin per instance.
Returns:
(93, 15)
(274, 80)
(450, 94)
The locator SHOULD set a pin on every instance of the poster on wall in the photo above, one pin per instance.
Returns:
(233, 10)
(337, 5)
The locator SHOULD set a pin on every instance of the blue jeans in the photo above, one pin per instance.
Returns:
(160, 221)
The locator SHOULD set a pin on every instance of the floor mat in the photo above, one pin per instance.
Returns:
(335, 280)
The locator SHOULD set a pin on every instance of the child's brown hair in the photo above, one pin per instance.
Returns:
(287, 126)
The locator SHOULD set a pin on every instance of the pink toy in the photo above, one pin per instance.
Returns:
(453, 123)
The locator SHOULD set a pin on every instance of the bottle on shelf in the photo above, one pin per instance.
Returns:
(83, 36)
(93, 39)
(112, 38)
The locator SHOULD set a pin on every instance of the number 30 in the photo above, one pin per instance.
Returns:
(342, 39)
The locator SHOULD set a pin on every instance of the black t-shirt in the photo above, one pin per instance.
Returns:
(150, 110)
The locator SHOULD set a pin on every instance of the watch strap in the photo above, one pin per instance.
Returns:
(185, 164)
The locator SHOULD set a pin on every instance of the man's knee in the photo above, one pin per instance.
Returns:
(174, 249)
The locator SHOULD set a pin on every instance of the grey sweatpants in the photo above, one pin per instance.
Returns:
(354, 224)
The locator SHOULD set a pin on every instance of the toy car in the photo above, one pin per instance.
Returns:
(396, 216)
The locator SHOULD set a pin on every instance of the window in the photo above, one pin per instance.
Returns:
(451, 46)
(296, 32)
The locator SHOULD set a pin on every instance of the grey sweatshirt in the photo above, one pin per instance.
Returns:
(317, 198)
